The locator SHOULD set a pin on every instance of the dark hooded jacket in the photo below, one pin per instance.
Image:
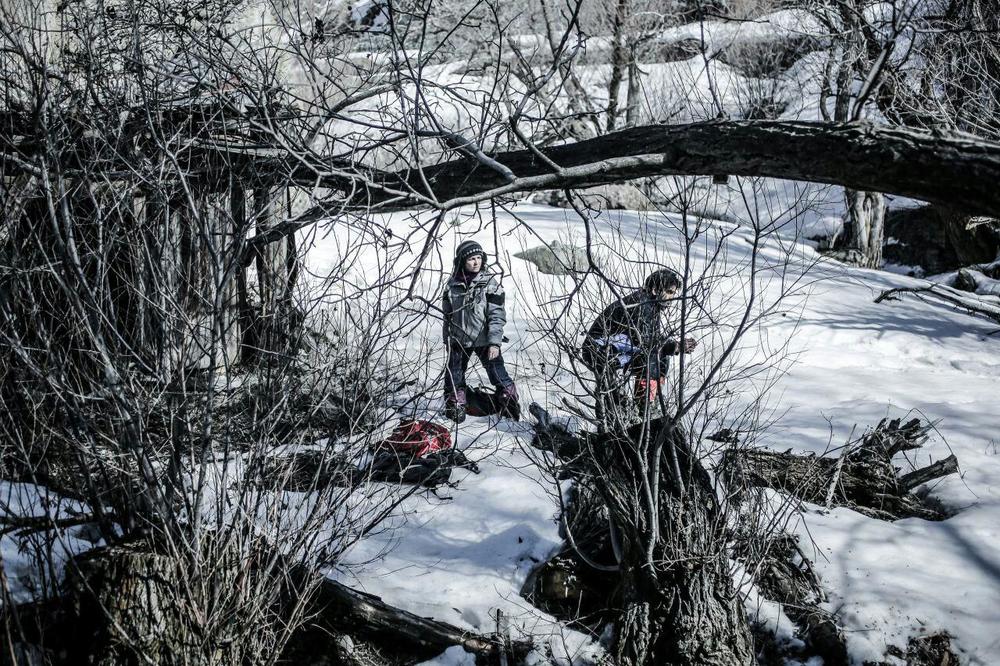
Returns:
(639, 318)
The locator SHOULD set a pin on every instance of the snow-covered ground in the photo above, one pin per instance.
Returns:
(463, 554)
(31, 561)
(462, 558)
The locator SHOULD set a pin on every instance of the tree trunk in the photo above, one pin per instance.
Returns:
(164, 224)
(686, 613)
(956, 170)
(277, 267)
(866, 212)
(138, 606)
(247, 314)
(209, 285)
(217, 604)
(619, 61)
(679, 606)
(634, 90)
(636, 631)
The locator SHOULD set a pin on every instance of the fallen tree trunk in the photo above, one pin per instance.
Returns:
(348, 611)
(953, 169)
(956, 170)
(135, 604)
(862, 477)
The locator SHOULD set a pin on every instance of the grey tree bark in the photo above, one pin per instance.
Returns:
(866, 213)
(619, 60)
(634, 89)
(274, 265)
(948, 168)
(865, 210)
(679, 605)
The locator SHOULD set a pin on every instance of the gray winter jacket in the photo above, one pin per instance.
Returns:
(474, 316)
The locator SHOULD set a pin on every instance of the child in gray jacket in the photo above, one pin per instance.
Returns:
(474, 317)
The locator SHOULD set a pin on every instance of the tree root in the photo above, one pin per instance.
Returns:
(862, 477)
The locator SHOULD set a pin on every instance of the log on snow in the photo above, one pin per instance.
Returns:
(955, 169)
(367, 616)
(918, 477)
(862, 477)
(952, 169)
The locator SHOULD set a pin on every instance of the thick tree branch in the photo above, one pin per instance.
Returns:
(954, 169)
(967, 302)
(958, 169)
(918, 477)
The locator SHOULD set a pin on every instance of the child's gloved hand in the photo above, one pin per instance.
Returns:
(492, 352)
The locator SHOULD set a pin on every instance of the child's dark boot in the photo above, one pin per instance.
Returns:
(510, 406)
(454, 406)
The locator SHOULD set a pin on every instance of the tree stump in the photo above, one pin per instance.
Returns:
(677, 601)
(143, 606)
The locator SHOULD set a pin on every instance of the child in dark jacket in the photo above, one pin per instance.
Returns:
(474, 317)
(629, 336)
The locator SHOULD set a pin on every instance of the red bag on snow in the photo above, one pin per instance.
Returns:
(417, 438)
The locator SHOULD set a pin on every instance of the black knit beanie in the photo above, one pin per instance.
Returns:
(468, 249)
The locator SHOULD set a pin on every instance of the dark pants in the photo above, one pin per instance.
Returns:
(458, 364)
